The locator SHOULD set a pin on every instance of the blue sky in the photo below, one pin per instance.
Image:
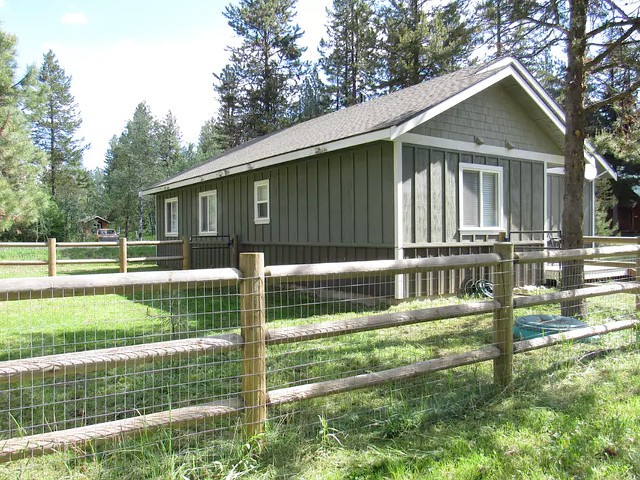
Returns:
(122, 52)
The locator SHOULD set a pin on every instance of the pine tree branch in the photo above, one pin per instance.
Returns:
(613, 98)
(619, 10)
(612, 47)
(607, 25)
(542, 23)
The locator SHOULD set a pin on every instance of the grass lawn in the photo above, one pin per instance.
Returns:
(573, 411)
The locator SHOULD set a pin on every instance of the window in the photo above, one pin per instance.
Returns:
(480, 197)
(208, 213)
(261, 200)
(171, 217)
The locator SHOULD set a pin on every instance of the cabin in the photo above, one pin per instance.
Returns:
(92, 224)
(441, 167)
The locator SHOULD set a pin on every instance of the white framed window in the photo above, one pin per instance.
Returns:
(208, 212)
(261, 201)
(481, 197)
(171, 217)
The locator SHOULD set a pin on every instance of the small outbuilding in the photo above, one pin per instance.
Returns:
(92, 224)
(441, 167)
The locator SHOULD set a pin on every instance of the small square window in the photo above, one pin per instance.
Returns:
(480, 197)
(208, 213)
(261, 199)
(171, 217)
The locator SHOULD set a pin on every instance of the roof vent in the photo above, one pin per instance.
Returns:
(478, 141)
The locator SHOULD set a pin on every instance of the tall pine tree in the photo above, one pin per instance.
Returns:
(421, 44)
(229, 125)
(56, 123)
(348, 55)
(267, 62)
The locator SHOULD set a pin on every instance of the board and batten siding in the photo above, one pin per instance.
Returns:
(555, 202)
(330, 207)
(430, 189)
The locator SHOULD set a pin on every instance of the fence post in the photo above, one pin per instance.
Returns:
(638, 281)
(52, 257)
(234, 251)
(186, 253)
(503, 316)
(123, 254)
(254, 365)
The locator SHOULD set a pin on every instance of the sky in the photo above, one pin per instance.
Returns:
(122, 52)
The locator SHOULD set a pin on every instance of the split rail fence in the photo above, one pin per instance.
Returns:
(122, 261)
(251, 342)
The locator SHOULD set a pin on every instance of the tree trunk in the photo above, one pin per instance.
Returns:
(572, 214)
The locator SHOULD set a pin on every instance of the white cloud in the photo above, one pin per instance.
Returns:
(73, 19)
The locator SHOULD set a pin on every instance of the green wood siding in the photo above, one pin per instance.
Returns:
(336, 206)
(431, 191)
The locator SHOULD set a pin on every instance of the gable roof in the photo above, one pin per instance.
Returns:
(382, 118)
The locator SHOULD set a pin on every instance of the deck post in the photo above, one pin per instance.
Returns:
(186, 253)
(254, 366)
(503, 316)
(51, 244)
(123, 254)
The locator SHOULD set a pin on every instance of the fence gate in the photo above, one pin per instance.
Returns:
(213, 251)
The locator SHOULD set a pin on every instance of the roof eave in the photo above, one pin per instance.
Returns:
(376, 135)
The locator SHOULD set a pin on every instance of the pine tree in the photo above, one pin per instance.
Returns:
(132, 164)
(266, 65)
(22, 197)
(423, 44)
(314, 97)
(209, 140)
(169, 147)
(348, 55)
(56, 123)
(229, 124)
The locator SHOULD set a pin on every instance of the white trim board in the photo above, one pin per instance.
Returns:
(504, 152)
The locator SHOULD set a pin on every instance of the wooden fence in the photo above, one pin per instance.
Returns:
(254, 338)
(122, 244)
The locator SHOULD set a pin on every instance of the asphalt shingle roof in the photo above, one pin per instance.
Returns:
(379, 113)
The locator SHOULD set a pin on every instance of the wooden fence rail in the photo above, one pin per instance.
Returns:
(254, 338)
(122, 244)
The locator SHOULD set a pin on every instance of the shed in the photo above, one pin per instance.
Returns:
(439, 167)
(92, 224)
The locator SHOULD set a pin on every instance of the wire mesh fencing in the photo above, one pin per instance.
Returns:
(208, 360)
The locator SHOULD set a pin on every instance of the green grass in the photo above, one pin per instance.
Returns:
(572, 412)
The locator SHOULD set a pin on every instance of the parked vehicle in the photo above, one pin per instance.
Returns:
(106, 235)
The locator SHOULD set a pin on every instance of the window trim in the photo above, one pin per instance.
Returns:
(167, 221)
(256, 218)
(469, 229)
(209, 193)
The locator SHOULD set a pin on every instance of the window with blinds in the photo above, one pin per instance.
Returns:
(480, 196)
(208, 213)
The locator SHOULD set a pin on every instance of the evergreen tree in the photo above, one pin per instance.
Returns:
(209, 140)
(169, 147)
(314, 97)
(423, 44)
(267, 62)
(348, 55)
(132, 164)
(56, 122)
(229, 125)
(22, 198)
